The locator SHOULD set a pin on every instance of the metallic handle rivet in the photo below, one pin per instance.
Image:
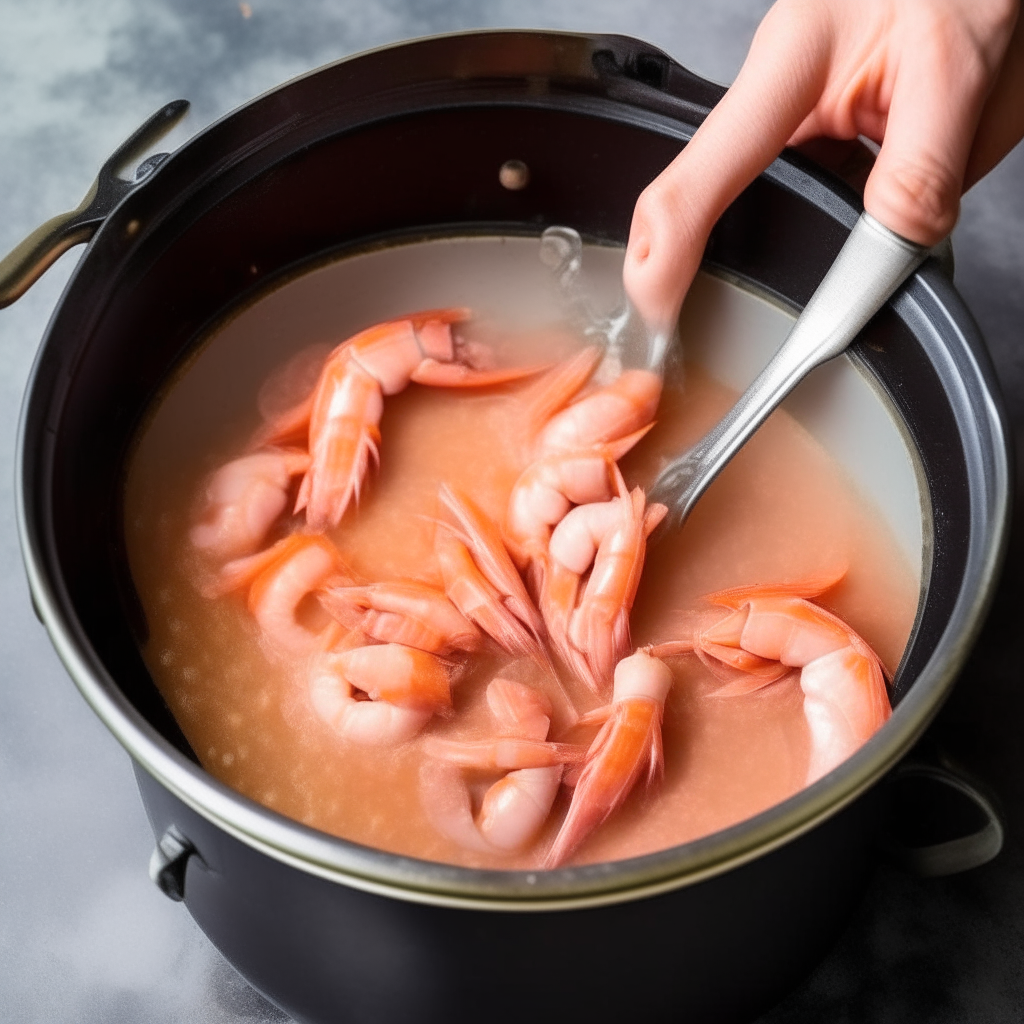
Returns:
(514, 175)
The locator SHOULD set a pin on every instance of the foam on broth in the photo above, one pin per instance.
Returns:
(781, 510)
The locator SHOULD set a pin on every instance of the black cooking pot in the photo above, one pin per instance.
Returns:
(403, 143)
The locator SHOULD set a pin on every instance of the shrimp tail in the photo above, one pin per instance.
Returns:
(484, 540)
(628, 746)
(598, 716)
(446, 801)
(290, 427)
(601, 644)
(328, 487)
(346, 605)
(456, 375)
(807, 588)
(656, 760)
(561, 385)
(560, 587)
(499, 622)
(747, 684)
(733, 665)
(615, 449)
(241, 572)
(670, 648)
(442, 315)
(503, 754)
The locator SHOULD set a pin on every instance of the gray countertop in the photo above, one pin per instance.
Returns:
(84, 935)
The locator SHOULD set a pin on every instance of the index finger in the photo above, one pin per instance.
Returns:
(777, 87)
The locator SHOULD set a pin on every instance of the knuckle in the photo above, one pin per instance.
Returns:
(973, 45)
(661, 206)
(649, 204)
(656, 208)
(1000, 15)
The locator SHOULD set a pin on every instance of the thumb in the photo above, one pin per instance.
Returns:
(915, 185)
(777, 87)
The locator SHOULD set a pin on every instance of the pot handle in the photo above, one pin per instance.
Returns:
(938, 821)
(23, 266)
(168, 863)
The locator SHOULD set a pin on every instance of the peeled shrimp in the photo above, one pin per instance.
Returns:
(516, 806)
(243, 498)
(278, 581)
(548, 488)
(627, 748)
(577, 447)
(772, 630)
(408, 613)
(605, 414)
(522, 716)
(347, 404)
(610, 539)
(403, 687)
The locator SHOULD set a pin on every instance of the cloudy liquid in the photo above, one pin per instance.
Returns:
(782, 510)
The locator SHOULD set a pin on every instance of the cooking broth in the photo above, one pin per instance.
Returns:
(783, 509)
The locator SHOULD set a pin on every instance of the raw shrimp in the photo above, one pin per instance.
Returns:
(346, 407)
(243, 498)
(482, 581)
(610, 539)
(404, 687)
(279, 579)
(407, 612)
(627, 748)
(772, 630)
(606, 414)
(516, 806)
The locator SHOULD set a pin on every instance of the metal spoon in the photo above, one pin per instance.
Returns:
(872, 264)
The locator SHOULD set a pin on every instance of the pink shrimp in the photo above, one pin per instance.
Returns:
(403, 688)
(606, 414)
(627, 748)
(548, 488)
(481, 579)
(578, 446)
(610, 539)
(772, 630)
(346, 407)
(408, 613)
(522, 716)
(278, 581)
(515, 807)
(243, 499)
(518, 709)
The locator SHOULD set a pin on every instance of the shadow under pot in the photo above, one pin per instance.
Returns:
(407, 143)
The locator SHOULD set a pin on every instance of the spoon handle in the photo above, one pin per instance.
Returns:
(872, 264)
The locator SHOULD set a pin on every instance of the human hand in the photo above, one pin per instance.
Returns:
(938, 84)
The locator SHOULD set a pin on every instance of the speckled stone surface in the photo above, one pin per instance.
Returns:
(84, 935)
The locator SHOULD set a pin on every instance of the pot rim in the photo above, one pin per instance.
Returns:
(927, 296)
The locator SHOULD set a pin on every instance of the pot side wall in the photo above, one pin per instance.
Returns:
(711, 953)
